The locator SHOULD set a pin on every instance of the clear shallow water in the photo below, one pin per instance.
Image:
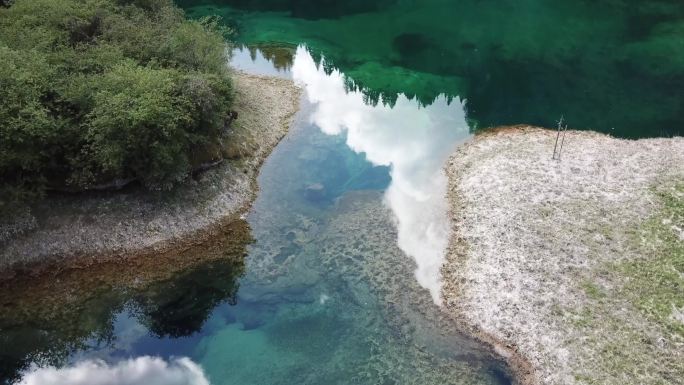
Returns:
(339, 287)
(615, 66)
(340, 284)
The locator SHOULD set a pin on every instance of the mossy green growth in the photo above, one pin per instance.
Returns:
(655, 282)
(592, 290)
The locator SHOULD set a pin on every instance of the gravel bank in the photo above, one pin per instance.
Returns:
(68, 231)
(573, 268)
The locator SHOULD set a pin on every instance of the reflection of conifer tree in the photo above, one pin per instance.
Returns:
(173, 304)
(281, 57)
(51, 340)
(509, 72)
(180, 306)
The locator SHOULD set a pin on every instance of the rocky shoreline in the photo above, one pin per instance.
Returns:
(75, 231)
(566, 267)
(536, 265)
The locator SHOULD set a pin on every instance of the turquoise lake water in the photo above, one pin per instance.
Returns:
(341, 285)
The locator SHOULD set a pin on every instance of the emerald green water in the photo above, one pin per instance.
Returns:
(615, 66)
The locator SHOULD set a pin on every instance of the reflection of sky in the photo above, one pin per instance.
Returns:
(413, 141)
(143, 370)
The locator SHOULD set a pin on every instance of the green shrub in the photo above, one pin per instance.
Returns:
(98, 90)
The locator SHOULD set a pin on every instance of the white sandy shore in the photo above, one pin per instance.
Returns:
(537, 244)
(97, 227)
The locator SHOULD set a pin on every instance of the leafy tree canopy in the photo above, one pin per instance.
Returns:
(98, 90)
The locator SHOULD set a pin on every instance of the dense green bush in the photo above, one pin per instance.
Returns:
(93, 91)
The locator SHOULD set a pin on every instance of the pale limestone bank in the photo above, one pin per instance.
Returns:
(574, 267)
(78, 230)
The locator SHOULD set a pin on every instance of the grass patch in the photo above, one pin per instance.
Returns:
(633, 324)
(592, 290)
(655, 282)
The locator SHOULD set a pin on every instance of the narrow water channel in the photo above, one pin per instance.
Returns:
(340, 286)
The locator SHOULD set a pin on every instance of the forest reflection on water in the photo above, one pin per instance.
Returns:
(413, 140)
(612, 66)
(326, 293)
(55, 320)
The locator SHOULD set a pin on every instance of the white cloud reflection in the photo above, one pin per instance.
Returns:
(414, 141)
(144, 370)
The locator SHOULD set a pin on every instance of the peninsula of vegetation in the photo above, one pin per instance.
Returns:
(124, 131)
(573, 266)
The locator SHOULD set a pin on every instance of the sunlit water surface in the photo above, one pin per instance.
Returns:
(340, 287)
